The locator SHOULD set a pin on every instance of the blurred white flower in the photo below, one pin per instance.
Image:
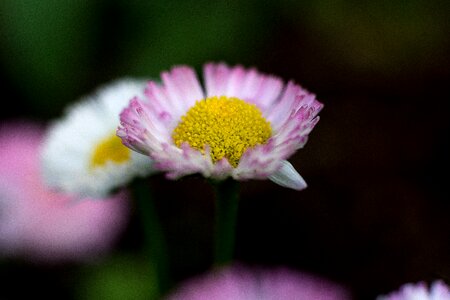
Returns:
(81, 153)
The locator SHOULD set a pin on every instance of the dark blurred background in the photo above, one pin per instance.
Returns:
(376, 212)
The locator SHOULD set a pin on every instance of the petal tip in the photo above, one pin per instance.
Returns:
(288, 177)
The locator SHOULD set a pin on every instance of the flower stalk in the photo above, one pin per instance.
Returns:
(155, 243)
(227, 202)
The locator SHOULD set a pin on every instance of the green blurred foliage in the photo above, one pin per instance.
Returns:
(56, 51)
(187, 32)
(45, 48)
(120, 277)
(382, 34)
(389, 38)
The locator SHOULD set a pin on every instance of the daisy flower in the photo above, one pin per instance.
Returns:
(243, 283)
(81, 153)
(44, 226)
(240, 123)
(420, 291)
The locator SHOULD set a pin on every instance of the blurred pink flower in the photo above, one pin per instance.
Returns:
(41, 225)
(420, 291)
(243, 283)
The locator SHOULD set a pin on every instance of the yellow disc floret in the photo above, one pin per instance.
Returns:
(109, 149)
(228, 125)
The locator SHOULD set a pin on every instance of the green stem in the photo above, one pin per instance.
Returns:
(155, 242)
(227, 200)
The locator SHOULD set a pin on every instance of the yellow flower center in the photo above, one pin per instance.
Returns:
(228, 125)
(109, 149)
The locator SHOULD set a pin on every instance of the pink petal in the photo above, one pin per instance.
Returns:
(216, 79)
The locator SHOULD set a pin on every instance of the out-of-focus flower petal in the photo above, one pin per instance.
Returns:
(39, 224)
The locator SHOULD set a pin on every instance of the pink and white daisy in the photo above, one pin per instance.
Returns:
(239, 123)
(420, 291)
(244, 283)
(41, 225)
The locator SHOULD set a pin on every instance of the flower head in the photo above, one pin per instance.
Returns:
(244, 283)
(42, 225)
(240, 123)
(420, 291)
(81, 153)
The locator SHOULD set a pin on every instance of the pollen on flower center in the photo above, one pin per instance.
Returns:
(109, 149)
(228, 125)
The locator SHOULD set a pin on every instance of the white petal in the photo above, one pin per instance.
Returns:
(67, 147)
(288, 177)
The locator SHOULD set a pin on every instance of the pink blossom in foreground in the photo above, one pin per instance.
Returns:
(41, 225)
(238, 149)
(242, 283)
(420, 291)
